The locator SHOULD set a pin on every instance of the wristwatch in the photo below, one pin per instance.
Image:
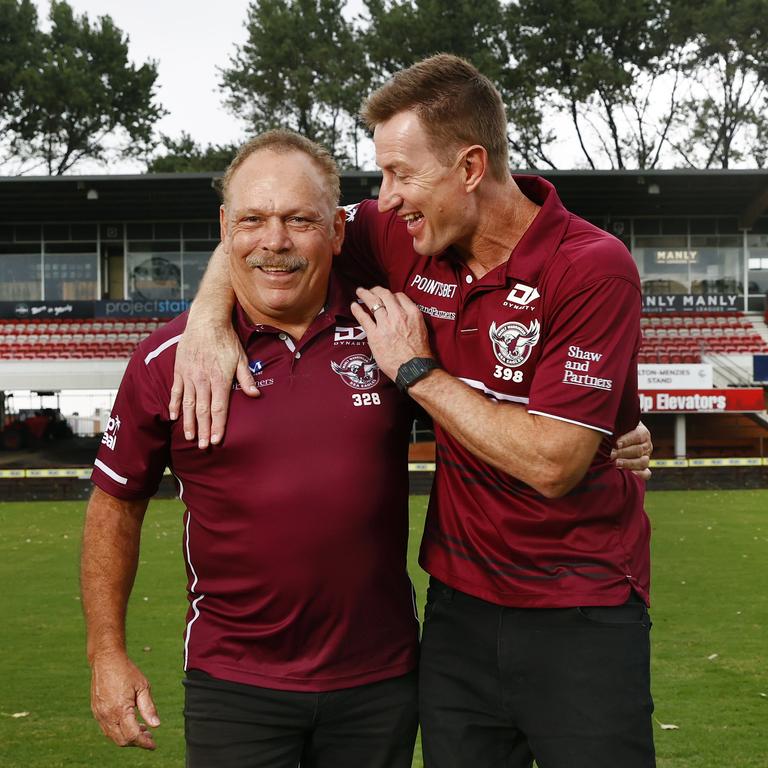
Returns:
(414, 370)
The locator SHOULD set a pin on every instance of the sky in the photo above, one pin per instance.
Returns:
(189, 40)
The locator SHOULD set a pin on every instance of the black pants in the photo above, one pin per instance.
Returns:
(499, 687)
(229, 725)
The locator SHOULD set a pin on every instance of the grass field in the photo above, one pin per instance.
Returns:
(710, 635)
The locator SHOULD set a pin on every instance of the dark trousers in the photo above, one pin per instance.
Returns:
(499, 686)
(229, 725)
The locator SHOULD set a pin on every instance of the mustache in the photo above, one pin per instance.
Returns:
(289, 263)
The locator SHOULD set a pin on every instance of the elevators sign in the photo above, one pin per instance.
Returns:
(702, 401)
(674, 376)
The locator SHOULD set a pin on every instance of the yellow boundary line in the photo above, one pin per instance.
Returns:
(84, 473)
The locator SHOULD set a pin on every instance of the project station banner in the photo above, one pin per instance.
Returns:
(702, 400)
(692, 302)
(674, 376)
(83, 310)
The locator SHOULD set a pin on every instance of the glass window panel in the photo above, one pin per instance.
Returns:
(70, 248)
(167, 231)
(56, 231)
(20, 277)
(83, 231)
(195, 263)
(646, 226)
(703, 226)
(674, 226)
(26, 233)
(139, 230)
(6, 234)
(70, 276)
(710, 264)
(154, 273)
(198, 230)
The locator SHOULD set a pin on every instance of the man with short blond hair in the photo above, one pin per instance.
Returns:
(301, 639)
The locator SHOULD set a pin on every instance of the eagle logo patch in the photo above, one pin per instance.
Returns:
(357, 371)
(513, 342)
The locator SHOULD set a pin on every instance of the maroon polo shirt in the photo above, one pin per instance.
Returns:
(296, 525)
(556, 329)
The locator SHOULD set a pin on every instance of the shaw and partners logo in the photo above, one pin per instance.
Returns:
(357, 371)
(110, 433)
(513, 342)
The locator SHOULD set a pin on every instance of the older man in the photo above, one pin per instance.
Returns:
(301, 637)
(517, 328)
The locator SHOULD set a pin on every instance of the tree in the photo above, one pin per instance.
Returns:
(301, 68)
(401, 33)
(85, 99)
(612, 68)
(184, 155)
(19, 49)
(726, 111)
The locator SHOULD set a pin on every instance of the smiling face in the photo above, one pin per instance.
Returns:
(282, 229)
(426, 193)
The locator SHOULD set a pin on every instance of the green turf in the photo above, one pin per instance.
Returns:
(709, 597)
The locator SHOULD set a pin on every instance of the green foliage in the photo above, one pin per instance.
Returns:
(185, 155)
(301, 68)
(401, 33)
(726, 113)
(709, 554)
(81, 97)
(600, 63)
(19, 43)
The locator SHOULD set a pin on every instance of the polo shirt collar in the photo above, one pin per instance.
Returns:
(544, 235)
(540, 240)
(337, 302)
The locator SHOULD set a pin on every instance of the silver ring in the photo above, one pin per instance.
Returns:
(375, 307)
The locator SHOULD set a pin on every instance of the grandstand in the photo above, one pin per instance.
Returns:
(115, 256)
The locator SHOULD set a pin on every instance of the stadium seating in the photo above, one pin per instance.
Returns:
(72, 339)
(685, 338)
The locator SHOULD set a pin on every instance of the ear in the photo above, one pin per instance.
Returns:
(337, 236)
(474, 165)
(222, 223)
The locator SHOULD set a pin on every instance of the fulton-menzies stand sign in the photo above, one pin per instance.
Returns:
(693, 302)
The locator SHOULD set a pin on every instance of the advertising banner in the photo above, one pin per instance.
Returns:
(45, 310)
(693, 302)
(702, 400)
(760, 368)
(674, 376)
(140, 308)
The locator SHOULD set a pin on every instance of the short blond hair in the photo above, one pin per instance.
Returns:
(283, 141)
(456, 104)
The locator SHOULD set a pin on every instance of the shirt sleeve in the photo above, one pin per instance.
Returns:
(135, 447)
(589, 358)
(361, 258)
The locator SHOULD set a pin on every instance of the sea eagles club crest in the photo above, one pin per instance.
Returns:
(357, 371)
(513, 342)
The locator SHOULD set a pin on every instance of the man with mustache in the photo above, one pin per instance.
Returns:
(516, 325)
(301, 638)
